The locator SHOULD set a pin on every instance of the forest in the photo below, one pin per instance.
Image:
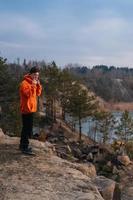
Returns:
(68, 89)
(113, 84)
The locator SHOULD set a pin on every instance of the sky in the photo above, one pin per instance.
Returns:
(87, 32)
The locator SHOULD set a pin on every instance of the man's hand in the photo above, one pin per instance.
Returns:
(38, 82)
(34, 82)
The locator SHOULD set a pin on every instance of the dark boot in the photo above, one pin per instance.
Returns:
(27, 151)
(22, 148)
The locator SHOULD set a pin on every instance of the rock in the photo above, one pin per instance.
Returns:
(44, 176)
(105, 186)
(115, 170)
(2, 135)
(45, 146)
(87, 169)
(10, 140)
(77, 153)
(124, 159)
(89, 196)
(90, 157)
(5, 139)
(47, 176)
(127, 194)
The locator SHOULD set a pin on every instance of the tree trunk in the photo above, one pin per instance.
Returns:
(80, 129)
(54, 109)
(63, 114)
(95, 131)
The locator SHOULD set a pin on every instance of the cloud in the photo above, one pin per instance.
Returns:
(20, 26)
(103, 37)
(13, 45)
(106, 40)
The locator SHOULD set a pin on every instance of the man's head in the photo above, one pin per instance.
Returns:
(34, 72)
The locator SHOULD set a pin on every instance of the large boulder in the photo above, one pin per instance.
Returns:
(46, 146)
(127, 194)
(87, 169)
(9, 140)
(124, 159)
(105, 186)
(2, 135)
(44, 176)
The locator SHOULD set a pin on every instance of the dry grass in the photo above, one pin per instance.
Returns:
(121, 106)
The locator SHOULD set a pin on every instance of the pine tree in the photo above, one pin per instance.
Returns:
(9, 101)
(51, 89)
(80, 104)
(65, 84)
(125, 127)
(105, 124)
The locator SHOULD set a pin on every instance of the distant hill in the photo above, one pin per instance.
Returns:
(110, 83)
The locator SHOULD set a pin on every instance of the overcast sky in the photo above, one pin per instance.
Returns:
(87, 32)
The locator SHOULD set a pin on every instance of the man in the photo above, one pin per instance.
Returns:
(30, 88)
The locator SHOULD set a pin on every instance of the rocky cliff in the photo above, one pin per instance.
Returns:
(46, 176)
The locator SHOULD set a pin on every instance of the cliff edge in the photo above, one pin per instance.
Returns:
(46, 176)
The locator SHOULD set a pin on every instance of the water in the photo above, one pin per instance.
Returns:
(88, 127)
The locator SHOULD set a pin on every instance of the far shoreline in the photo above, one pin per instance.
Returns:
(120, 106)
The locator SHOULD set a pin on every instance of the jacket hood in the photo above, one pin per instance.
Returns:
(28, 78)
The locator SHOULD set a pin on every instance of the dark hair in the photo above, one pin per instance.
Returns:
(34, 70)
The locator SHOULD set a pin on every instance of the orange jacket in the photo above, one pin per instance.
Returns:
(28, 95)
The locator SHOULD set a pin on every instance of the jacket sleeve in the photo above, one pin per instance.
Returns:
(27, 90)
(38, 90)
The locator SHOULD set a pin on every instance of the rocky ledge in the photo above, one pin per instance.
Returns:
(46, 176)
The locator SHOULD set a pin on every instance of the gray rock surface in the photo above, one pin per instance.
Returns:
(1, 134)
(106, 187)
(127, 194)
(44, 176)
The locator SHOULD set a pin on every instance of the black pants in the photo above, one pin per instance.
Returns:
(26, 133)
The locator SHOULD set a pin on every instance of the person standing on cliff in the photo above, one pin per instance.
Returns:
(29, 89)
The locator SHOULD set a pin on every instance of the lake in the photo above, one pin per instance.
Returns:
(88, 127)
